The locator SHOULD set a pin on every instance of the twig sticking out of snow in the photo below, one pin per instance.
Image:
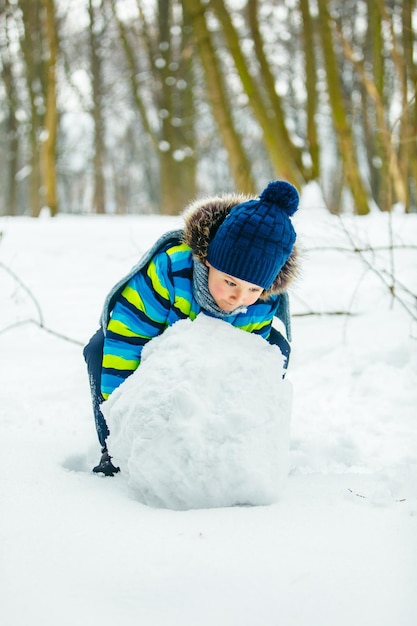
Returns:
(38, 322)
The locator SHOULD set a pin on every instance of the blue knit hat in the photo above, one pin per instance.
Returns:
(256, 238)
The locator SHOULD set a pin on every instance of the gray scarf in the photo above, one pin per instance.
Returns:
(203, 296)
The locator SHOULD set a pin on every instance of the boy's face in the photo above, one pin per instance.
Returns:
(229, 292)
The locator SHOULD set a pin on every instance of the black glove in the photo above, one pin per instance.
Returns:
(106, 466)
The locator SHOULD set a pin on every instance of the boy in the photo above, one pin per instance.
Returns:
(234, 259)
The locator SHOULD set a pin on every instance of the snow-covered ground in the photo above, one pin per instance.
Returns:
(339, 547)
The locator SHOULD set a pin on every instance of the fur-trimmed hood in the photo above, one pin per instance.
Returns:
(202, 219)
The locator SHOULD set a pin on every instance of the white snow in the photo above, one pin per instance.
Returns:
(339, 546)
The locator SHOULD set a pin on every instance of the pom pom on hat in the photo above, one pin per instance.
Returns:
(256, 238)
(283, 194)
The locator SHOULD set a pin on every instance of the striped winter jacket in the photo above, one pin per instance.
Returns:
(158, 291)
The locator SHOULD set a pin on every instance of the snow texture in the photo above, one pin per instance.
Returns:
(204, 421)
(338, 547)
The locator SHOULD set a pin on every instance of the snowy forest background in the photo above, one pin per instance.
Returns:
(137, 106)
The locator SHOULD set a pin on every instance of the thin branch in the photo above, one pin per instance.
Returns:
(358, 249)
(42, 327)
(380, 274)
(25, 289)
(39, 322)
(323, 313)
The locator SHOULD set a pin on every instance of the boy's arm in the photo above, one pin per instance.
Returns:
(139, 314)
(283, 313)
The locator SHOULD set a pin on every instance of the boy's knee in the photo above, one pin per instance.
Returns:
(94, 348)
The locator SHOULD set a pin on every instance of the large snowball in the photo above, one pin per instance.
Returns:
(204, 421)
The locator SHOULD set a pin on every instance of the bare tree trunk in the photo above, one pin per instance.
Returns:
(286, 157)
(395, 161)
(398, 159)
(11, 153)
(340, 119)
(31, 43)
(374, 140)
(173, 137)
(48, 148)
(99, 197)
(149, 133)
(177, 158)
(186, 132)
(311, 86)
(409, 122)
(216, 91)
(281, 151)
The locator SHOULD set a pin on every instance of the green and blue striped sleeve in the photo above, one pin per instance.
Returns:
(139, 314)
